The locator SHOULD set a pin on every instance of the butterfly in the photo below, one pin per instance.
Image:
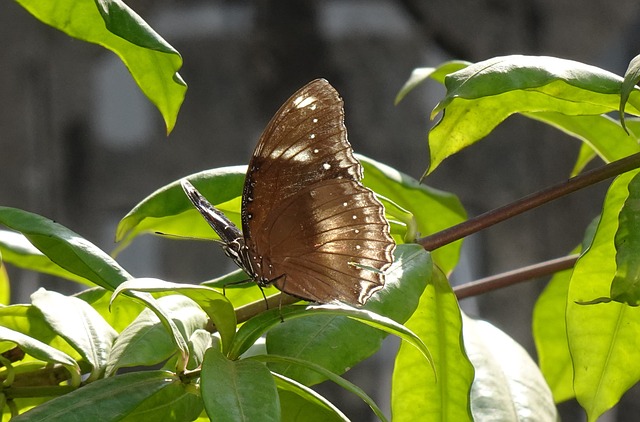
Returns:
(309, 226)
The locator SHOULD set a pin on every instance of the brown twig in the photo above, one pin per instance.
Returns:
(510, 278)
(536, 199)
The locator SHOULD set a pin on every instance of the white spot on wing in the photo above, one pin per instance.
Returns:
(302, 102)
(326, 166)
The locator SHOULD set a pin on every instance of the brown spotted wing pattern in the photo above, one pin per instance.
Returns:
(308, 225)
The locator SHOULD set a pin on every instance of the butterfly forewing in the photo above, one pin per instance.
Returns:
(309, 225)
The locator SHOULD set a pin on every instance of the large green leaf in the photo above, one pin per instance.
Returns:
(600, 134)
(153, 63)
(421, 74)
(327, 374)
(298, 402)
(433, 210)
(481, 96)
(42, 351)
(80, 325)
(65, 248)
(147, 341)
(150, 395)
(602, 337)
(118, 314)
(18, 251)
(550, 336)
(417, 393)
(338, 343)
(213, 303)
(28, 320)
(242, 390)
(625, 287)
(168, 210)
(508, 385)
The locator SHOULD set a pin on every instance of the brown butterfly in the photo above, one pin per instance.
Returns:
(308, 225)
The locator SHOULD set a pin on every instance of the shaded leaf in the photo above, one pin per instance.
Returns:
(298, 402)
(158, 395)
(235, 391)
(328, 375)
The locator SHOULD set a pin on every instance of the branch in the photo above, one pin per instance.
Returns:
(536, 199)
(510, 278)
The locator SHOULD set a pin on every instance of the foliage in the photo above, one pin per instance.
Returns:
(215, 365)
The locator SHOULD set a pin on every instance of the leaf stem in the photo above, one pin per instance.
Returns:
(531, 201)
(510, 278)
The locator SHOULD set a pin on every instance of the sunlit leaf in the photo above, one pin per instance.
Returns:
(417, 393)
(153, 62)
(80, 325)
(482, 95)
(631, 78)
(602, 337)
(65, 248)
(508, 385)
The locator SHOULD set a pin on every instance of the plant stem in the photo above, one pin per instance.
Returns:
(510, 278)
(531, 201)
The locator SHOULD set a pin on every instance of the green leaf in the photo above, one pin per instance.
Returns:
(482, 95)
(421, 74)
(215, 305)
(42, 351)
(338, 343)
(119, 315)
(29, 321)
(434, 210)
(626, 282)
(17, 250)
(147, 341)
(508, 386)
(5, 285)
(631, 78)
(326, 374)
(298, 402)
(150, 395)
(600, 133)
(241, 390)
(417, 394)
(80, 325)
(550, 336)
(602, 338)
(153, 63)
(65, 248)
(169, 211)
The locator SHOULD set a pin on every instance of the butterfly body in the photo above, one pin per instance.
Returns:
(308, 225)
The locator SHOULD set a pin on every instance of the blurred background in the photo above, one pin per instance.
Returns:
(80, 144)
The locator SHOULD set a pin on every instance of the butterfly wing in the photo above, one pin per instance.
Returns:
(309, 224)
